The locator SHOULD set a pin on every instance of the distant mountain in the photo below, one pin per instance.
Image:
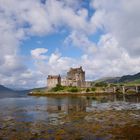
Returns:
(124, 79)
(130, 78)
(109, 79)
(7, 92)
(5, 89)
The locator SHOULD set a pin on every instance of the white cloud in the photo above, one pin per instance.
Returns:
(80, 40)
(122, 19)
(25, 80)
(55, 64)
(38, 53)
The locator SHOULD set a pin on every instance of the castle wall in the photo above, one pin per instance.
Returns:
(88, 84)
(52, 81)
(67, 82)
(64, 82)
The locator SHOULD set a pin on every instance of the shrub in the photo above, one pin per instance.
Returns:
(87, 90)
(57, 88)
(37, 90)
(73, 89)
(93, 89)
(113, 85)
(101, 84)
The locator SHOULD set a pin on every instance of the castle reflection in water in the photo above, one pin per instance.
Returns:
(77, 104)
(69, 106)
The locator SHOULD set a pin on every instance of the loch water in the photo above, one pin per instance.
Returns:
(51, 109)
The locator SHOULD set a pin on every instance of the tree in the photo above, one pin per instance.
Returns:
(57, 88)
(101, 84)
(73, 89)
(87, 90)
(93, 89)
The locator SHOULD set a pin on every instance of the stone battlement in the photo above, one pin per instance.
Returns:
(53, 76)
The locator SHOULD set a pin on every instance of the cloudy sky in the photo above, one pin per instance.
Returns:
(41, 37)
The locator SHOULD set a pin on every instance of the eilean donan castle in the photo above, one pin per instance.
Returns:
(74, 77)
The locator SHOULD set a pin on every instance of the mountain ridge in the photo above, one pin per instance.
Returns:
(7, 92)
(122, 79)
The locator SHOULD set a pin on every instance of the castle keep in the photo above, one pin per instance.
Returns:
(74, 77)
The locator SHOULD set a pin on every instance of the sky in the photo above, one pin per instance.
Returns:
(41, 37)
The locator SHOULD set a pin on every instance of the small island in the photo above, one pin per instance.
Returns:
(74, 83)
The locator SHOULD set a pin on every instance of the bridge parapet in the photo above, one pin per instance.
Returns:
(125, 89)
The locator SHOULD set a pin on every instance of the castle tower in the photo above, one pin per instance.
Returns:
(76, 77)
(53, 80)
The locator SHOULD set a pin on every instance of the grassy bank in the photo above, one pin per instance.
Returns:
(109, 125)
(68, 94)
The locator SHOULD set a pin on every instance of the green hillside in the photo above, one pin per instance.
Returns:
(127, 79)
(133, 82)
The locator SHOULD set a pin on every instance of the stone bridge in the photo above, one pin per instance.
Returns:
(125, 89)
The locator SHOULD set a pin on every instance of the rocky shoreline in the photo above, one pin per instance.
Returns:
(103, 125)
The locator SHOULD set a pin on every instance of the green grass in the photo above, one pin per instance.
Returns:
(60, 88)
(135, 82)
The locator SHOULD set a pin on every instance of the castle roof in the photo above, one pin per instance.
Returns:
(76, 69)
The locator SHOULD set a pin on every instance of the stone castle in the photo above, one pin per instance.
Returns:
(74, 77)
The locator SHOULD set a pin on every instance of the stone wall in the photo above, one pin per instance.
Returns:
(53, 80)
(64, 81)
